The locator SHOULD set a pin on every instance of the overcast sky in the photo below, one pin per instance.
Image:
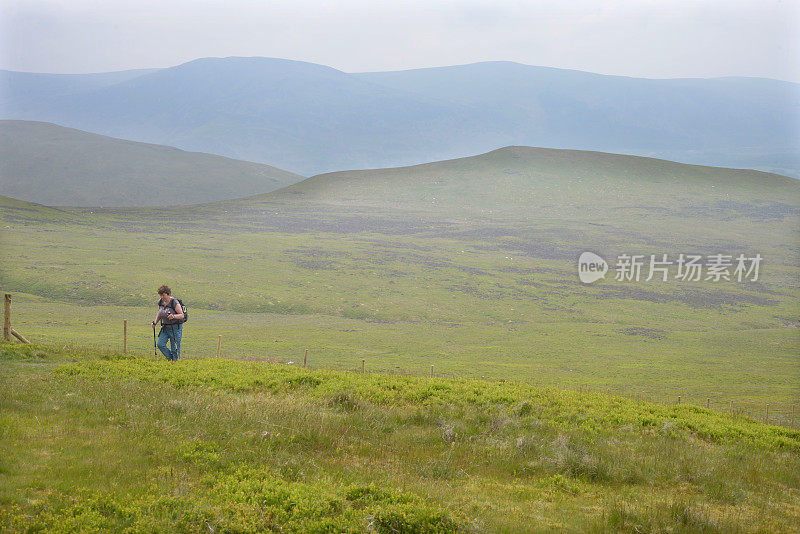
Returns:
(650, 38)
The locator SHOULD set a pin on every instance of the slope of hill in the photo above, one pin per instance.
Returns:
(556, 203)
(309, 118)
(53, 165)
(520, 179)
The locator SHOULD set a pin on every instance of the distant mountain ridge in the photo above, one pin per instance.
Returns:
(309, 118)
(298, 116)
(57, 166)
(690, 120)
(22, 89)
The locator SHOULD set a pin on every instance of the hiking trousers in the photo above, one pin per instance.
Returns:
(171, 333)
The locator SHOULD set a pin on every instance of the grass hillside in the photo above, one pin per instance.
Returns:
(311, 118)
(93, 441)
(515, 180)
(396, 267)
(53, 165)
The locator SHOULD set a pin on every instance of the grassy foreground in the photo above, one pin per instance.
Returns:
(94, 442)
(730, 370)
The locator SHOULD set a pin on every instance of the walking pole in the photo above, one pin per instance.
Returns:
(154, 342)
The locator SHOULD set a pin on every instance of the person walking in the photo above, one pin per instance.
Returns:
(171, 316)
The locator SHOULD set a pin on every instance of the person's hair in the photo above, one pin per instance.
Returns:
(164, 290)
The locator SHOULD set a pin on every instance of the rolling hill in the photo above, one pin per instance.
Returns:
(555, 203)
(519, 179)
(310, 118)
(53, 165)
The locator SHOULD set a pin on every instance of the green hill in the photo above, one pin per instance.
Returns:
(52, 165)
(515, 180)
(569, 201)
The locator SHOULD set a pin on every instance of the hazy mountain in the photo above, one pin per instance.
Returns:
(750, 122)
(309, 118)
(53, 165)
(299, 116)
(21, 90)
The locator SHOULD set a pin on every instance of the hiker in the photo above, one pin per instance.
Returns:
(170, 314)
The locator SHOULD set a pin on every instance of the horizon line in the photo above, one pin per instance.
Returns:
(134, 69)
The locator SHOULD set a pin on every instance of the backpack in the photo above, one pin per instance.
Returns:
(183, 307)
(185, 313)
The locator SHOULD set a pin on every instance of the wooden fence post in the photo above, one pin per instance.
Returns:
(679, 399)
(431, 370)
(363, 366)
(19, 336)
(219, 344)
(7, 318)
(766, 414)
(124, 336)
(305, 358)
(708, 403)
